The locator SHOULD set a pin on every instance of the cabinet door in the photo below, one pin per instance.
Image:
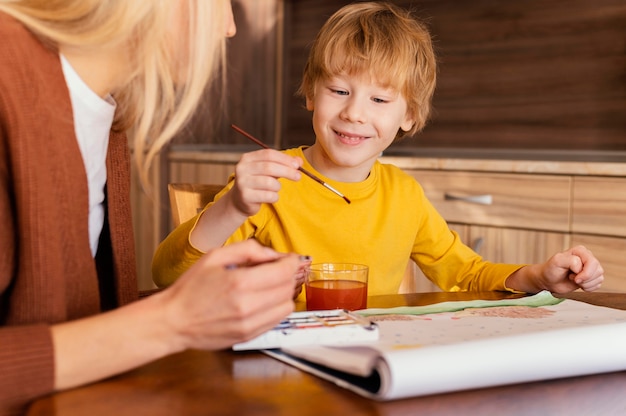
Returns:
(506, 245)
(500, 245)
(599, 211)
(599, 206)
(611, 251)
(537, 202)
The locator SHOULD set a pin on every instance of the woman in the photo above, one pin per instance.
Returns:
(74, 75)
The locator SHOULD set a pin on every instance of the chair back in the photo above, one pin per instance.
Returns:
(188, 199)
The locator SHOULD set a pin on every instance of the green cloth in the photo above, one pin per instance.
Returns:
(543, 298)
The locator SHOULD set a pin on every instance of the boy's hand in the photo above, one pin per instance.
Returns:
(564, 272)
(256, 178)
(573, 269)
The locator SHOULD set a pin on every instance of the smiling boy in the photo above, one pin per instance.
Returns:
(368, 81)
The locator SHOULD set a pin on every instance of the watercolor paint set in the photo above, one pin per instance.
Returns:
(327, 327)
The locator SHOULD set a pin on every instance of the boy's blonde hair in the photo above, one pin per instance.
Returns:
(381, 40)
(151, 102)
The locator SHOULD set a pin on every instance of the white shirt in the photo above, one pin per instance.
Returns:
(93, 118)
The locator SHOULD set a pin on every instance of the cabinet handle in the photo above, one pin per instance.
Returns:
(486, 199)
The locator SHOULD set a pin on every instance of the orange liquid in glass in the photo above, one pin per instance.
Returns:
(336, 294)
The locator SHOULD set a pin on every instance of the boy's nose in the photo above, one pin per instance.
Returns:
(354, 112)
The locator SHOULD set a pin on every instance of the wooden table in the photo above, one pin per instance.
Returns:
(250, 383)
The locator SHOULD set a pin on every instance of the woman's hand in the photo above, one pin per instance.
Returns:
(230, 295)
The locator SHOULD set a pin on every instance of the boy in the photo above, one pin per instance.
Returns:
(368, 81)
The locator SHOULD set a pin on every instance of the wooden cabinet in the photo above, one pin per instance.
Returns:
(599, 206)
(510, 245)
(496, 244)
(612, 254)
(526, 218)
(538, 202)
(510, 218)
(506, 218)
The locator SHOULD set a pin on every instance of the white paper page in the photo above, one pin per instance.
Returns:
(484, 346)
(504, 360)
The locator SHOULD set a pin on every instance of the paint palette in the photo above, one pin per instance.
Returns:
(328, 327)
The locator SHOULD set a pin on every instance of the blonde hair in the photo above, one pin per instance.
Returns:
(151, 102)
(383, 41)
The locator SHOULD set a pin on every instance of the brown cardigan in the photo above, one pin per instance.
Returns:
(47, 272)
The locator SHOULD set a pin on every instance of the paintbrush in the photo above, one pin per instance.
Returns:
(306, 172)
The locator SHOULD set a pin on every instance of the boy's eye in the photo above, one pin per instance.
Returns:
(339, 92)
(379, 100)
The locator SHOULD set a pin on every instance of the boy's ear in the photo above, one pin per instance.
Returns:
(309, 104)
(408, 122)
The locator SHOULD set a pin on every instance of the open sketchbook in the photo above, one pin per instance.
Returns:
(455, 346)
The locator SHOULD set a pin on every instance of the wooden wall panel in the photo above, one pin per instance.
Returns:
(533, 74)
(252, 92)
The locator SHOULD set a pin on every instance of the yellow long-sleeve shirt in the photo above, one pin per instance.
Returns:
(388, 222)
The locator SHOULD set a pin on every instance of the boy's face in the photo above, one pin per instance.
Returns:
(354, 120)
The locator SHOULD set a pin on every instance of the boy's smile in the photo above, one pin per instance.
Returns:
(354, 120)
(350, 139)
